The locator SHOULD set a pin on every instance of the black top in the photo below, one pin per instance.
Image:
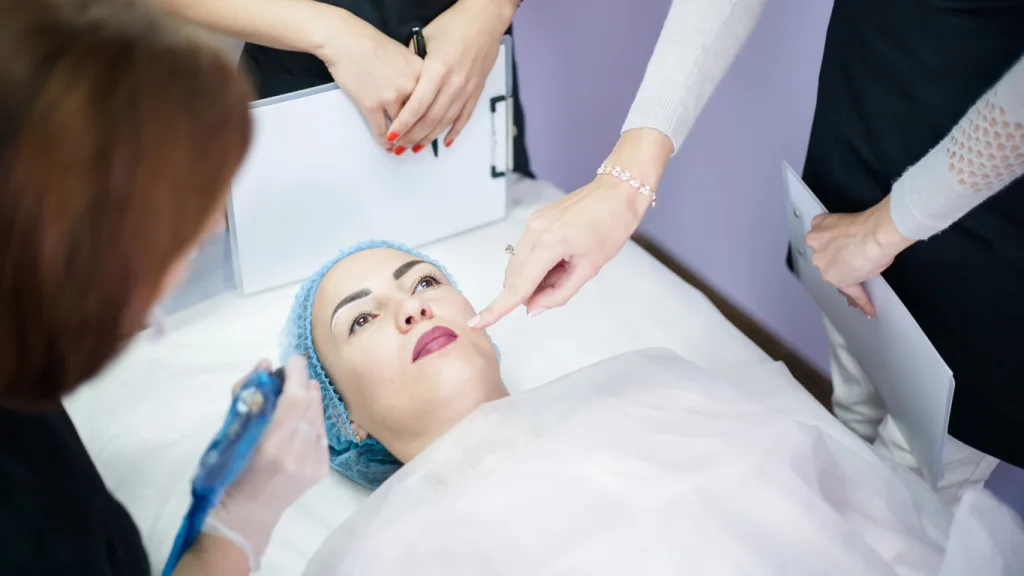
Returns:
(896, 77)
(276, 72)
(56, 515)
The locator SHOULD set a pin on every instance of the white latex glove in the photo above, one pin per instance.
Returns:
(291, 458)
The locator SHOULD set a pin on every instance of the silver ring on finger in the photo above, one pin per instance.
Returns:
(510, 250)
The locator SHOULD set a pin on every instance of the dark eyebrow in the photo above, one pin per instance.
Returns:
(363, 293)
(401, 270)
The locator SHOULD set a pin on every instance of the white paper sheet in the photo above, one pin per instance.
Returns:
(641, 464)
(315, 181)
(911, 377)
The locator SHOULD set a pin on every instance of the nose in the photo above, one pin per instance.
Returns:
(414, 311)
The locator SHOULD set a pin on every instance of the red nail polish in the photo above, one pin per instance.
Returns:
(390, 150)
(448, 143)
(392, 136)
(399, 151)
(416, 149)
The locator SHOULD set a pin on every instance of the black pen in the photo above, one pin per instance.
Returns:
(420, 46)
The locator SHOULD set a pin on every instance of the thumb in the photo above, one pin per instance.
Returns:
(861, 298)
(559, 287)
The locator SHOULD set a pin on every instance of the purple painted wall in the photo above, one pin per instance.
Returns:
(720, 203)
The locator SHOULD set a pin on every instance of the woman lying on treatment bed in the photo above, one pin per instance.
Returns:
(641, 464)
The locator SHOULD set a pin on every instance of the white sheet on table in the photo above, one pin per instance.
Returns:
(148, 417)
(641, 464)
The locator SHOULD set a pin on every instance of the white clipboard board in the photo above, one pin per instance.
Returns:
(914, 382)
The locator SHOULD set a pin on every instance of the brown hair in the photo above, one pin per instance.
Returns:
(119, 135)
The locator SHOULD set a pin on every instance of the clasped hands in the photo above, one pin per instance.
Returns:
(422, 97)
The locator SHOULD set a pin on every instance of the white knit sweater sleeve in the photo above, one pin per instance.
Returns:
(981, 156)
(698, 42)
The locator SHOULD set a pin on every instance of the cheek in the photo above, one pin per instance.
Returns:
(453, 305)
(368, 379)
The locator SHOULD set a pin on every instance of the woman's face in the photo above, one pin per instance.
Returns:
(391, 333)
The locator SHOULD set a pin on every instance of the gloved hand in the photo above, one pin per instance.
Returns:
(291, 458)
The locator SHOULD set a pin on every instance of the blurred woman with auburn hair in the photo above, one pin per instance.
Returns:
(119, 136)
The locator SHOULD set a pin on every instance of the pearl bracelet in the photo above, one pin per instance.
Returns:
(625, 176)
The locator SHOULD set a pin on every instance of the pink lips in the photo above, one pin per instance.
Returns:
(433, 340)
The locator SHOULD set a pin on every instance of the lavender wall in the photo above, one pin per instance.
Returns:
(720, 203)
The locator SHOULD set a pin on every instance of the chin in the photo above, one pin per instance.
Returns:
(467, 384)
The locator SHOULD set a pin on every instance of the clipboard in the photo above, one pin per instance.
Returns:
(315, 180)
(912, 379)
(294, 202)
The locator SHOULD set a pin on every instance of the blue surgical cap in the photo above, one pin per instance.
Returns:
(366, 462)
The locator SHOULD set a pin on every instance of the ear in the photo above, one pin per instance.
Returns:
(359, 433)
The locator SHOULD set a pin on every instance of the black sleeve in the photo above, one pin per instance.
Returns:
(56, 515)
(43, 535)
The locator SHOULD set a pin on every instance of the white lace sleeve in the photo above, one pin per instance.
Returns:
(698, 42)
(983, 154)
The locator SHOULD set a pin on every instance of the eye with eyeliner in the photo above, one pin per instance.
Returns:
(356, 325)
(424, 282)
(434, 281)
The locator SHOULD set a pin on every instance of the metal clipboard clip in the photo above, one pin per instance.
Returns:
(502, 114)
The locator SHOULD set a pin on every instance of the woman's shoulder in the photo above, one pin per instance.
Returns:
(56, 515)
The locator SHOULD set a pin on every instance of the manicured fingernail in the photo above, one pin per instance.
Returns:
(392, 136)
(416, 149)
(390, 150)
(536, 312)
(448, 143)
(400, 150)
(473, 321)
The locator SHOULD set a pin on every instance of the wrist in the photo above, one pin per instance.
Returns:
(211, 554)
(500, 12)
(247, 526)
(329, 29)
(644, 152)
(883, 229)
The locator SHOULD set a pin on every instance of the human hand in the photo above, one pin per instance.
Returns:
(462, 45)
(850, 248)
(567, 242)
(377, 73)
(291, 458)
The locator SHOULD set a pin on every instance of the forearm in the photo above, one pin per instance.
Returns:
(503, 9)
(982, 154)
(213, 556)
(698, 42)
(297, 25)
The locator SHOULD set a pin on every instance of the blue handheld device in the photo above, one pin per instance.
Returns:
(228, 455)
